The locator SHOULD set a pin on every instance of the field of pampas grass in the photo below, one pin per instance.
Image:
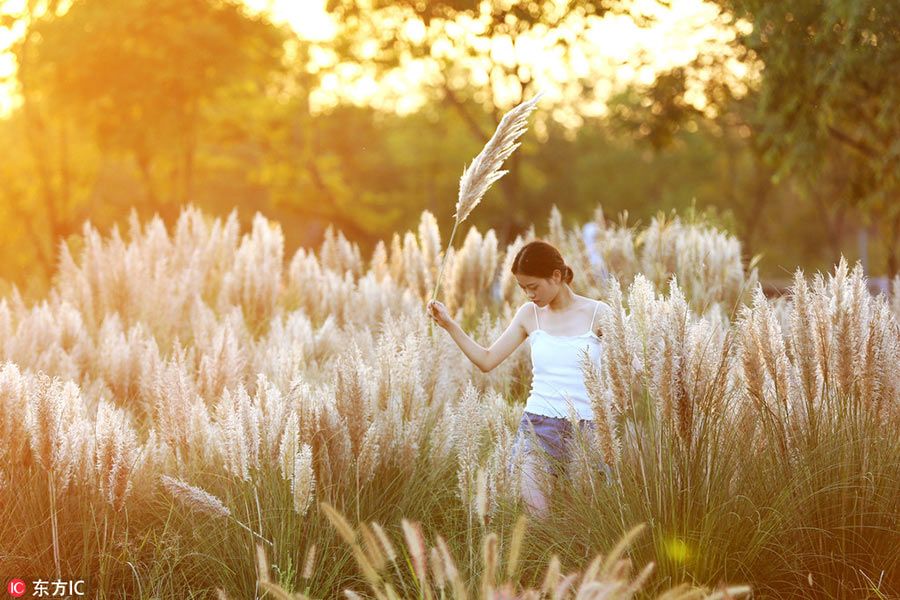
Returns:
(191, 413)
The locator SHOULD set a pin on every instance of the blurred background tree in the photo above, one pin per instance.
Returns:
(775, 120)
(821, 118)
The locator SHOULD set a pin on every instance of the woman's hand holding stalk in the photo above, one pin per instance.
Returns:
(485, 170)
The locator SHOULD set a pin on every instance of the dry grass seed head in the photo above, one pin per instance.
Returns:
(551, 578)
(195, 497)
(386, 544)
(485, 168)
(515, 546)
(309, 563)
(339, 522)
(416, 544)
(372, 547)
(490, 558)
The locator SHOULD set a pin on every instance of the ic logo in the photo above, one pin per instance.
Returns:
(16, 588)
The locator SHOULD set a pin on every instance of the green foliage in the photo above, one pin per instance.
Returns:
(821, 110)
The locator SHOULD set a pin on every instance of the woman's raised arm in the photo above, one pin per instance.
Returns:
(483, 358)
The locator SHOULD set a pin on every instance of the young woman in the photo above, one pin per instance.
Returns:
(559, 324)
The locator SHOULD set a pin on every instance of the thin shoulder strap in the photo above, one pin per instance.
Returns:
(594, 316)
(536, 322)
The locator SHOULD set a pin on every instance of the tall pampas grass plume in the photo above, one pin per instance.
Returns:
(484, 169)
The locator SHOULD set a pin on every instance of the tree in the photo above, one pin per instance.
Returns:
(479, 59)
(825, 102)
(138, 76)
(114, 87)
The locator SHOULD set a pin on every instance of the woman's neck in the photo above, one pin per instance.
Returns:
(563, 299)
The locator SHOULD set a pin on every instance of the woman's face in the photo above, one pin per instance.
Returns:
(539, 289)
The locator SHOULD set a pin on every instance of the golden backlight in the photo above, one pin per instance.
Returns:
(680, 32)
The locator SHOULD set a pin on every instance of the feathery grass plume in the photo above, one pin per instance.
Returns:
(290, 444)
(802, 342)
(303, 479)
(508, 285)
(490, 555)
(823, 329)
(841, 311)
(565, 585)
(861, 308)
(379, 263)
(194, 497)
(369, 455)
(372, 547)
(771, 381)
(416, 274)
(385, 542)
(782, 372)
(430, 242)
(709, 363)
(472, 269)
(868, 374)
(504, 469)
(339, 255)
(331, 444)
(600, 396)
(262, 565)
(223, 363)
(676, 332)
(515, 546)
(396, 263)
(617, 246)
(412, 532)
(173, 393)
(556, 233)
(14, 438)
(895, 296)
(6, 327)
(643, 307)
(484, 169)
(437, 568)
(309, 563)
(254, 281)
(659, 257)
(116, 454)
(488, 262)
(353, 394)
(340, 523)
(481, 499)
(468, 434)
(52, 408)
(272, 409)
(617, 359)
(122, 359)
(887, 342)
(450, 569)
(551, 578)
(581, 448)
(239, 432)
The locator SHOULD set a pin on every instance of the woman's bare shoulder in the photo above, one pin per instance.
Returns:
(525, 316)
(603, 307)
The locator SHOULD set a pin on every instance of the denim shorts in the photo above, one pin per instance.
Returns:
(552, 435)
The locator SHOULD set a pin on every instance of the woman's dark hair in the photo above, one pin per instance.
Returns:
(540, 259)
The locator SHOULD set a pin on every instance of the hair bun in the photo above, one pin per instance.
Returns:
(569, 274)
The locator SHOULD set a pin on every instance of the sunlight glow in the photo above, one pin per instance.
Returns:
(307, 17)
(679, 34)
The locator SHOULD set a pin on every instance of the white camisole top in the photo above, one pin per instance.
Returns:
(556, 371)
